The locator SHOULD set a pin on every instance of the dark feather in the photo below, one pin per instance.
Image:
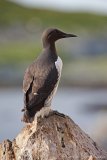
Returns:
(42, 82)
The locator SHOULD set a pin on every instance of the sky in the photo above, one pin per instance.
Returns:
(98, 6)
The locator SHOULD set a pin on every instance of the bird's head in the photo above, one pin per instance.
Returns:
(52, 34)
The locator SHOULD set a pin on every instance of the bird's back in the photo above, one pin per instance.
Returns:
(39, 81)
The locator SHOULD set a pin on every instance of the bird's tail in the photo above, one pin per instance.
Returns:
(26, 116)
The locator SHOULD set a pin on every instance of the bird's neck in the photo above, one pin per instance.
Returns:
(50, 48)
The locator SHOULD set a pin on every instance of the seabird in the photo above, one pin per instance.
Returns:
(42, 77)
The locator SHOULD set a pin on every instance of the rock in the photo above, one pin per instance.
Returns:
(100, 133)
(52, 138)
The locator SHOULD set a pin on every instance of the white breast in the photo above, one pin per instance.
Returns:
(59, 65)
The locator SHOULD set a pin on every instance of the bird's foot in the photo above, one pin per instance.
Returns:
(55, 113)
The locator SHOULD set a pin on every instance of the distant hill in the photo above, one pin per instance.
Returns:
(11, 13)
(85, 57)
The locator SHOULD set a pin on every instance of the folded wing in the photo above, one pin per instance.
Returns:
(38, 85)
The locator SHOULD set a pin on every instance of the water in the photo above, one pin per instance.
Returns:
(73, 102)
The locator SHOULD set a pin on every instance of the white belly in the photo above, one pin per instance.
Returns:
(58, 65)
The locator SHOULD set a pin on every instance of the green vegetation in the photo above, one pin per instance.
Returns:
(18, 52)
(25, 50)
(11, 13)
(25, 47)
(86, 72)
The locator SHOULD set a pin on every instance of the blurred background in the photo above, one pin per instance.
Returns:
(83, 88)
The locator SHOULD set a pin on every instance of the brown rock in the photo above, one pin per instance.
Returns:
(53, 138)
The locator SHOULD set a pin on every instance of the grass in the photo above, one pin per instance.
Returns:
(18, 52)
(12, 13)
(86, 72)
(22, 51)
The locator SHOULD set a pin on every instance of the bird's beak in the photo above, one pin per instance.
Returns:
(65, 35)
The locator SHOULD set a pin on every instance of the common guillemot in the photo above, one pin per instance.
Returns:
(42, 77)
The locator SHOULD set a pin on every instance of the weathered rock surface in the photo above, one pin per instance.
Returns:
(54, 138)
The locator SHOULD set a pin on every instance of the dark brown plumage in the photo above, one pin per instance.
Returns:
(42, 76)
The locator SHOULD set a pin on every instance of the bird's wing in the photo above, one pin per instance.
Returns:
(28, 78)
(38, 85)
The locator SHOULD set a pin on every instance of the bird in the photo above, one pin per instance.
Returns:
(42, 77)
